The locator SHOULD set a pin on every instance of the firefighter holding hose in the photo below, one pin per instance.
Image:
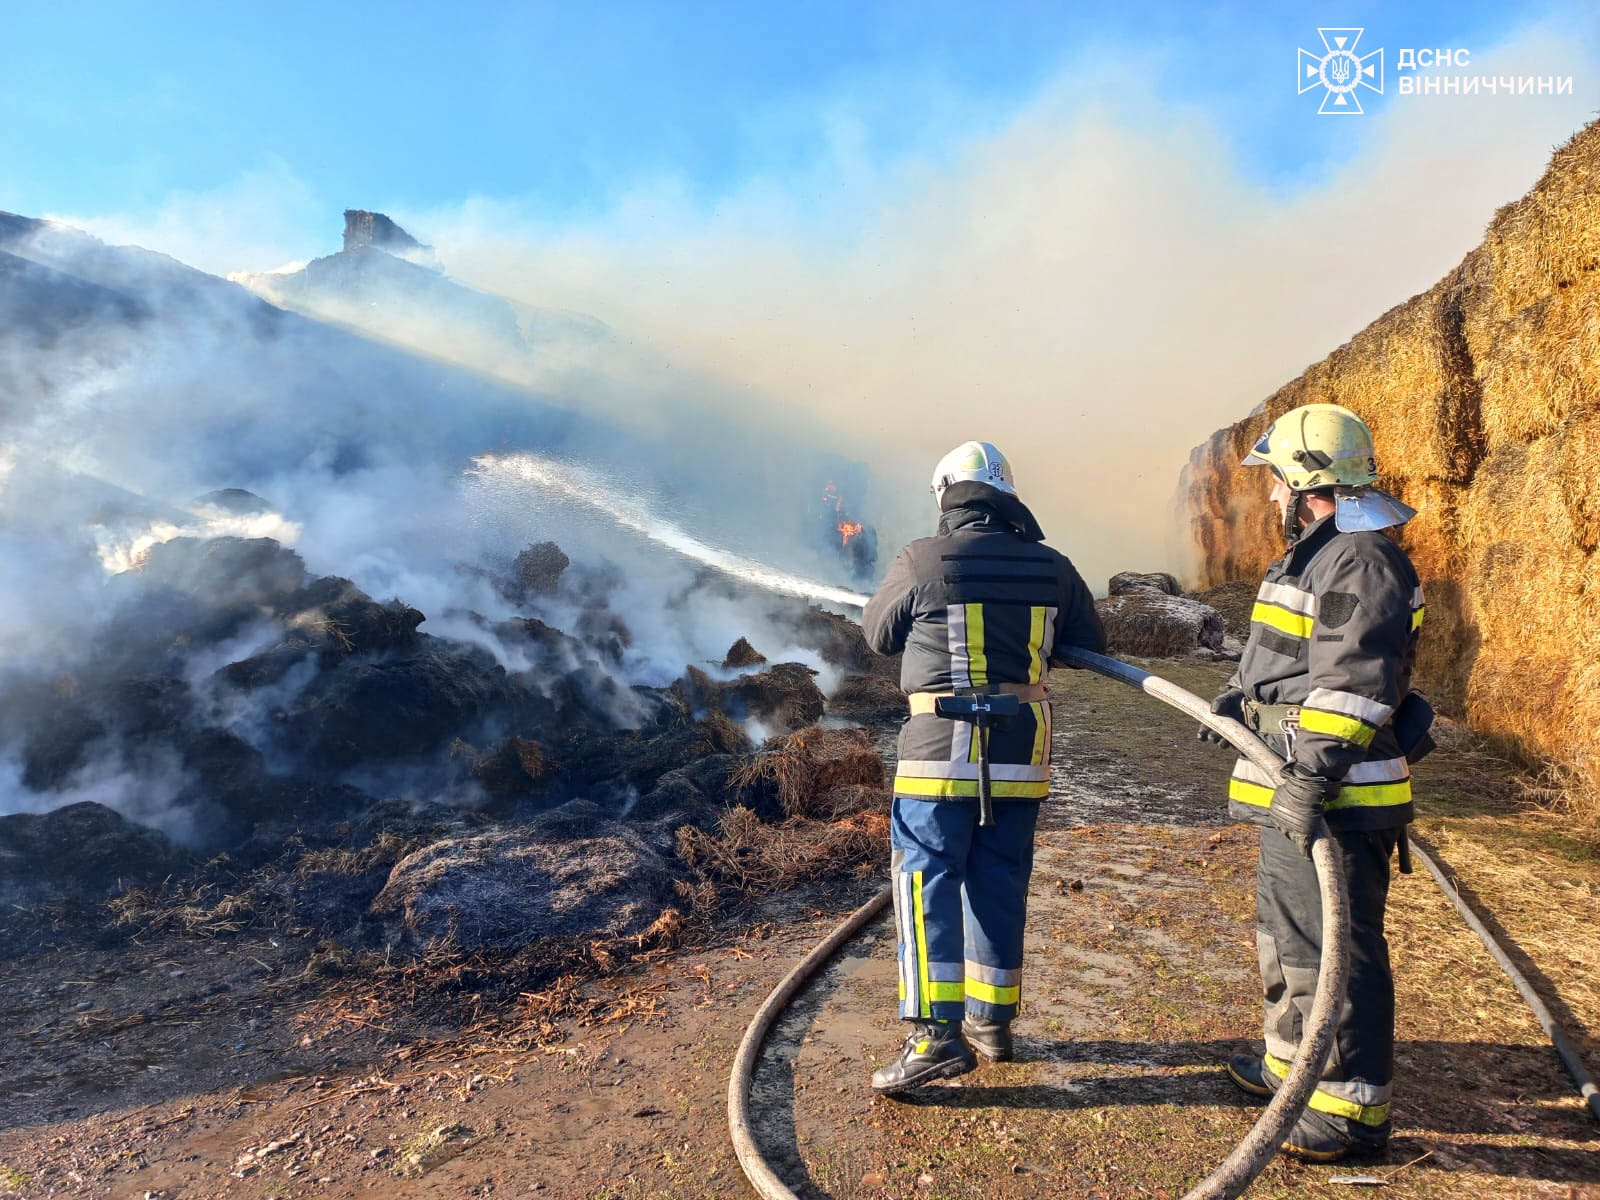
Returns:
(977, 611)
(1325, 679)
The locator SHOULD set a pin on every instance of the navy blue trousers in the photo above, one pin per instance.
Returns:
(960, 903)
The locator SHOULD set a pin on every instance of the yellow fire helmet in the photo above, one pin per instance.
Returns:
(1327, 446)
(1318, 446)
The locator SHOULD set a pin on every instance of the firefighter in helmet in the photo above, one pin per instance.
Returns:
(977, 609)
(1325, 679)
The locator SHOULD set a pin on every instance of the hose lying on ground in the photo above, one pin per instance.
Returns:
(1259, 1146)
(1564, 1048)
(1547, 1021)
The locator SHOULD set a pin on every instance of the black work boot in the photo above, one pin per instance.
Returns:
(933, 1050)
(992, 1039)
(1319, 1137)
(1247, 1074)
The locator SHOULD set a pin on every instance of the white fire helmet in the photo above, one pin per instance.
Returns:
(973, 462)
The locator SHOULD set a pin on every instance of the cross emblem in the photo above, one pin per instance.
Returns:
(1341, 71)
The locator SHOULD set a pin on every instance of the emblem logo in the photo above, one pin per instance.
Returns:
(1341, 72)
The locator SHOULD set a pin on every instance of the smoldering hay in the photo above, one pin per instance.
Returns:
(1483, 394)
(239, 544)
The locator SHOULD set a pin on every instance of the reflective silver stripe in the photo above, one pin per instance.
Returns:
(908, 946)
(1349, 704)
(1284, 596)
(955, 616)
(1416, 597)
(1368, 1095)
(1046, 647)
(1279, 1049)
(925, 768)
(996, 976)
(960, 745)
(946, 972)
(1383, 770)
(1246, 770)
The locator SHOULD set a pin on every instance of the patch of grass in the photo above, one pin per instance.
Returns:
(13, 1179)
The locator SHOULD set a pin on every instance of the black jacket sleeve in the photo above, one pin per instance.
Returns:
(1078, 624)
(1363, 628)
(887, 619)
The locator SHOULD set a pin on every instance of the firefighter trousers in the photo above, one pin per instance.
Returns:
(1357, 1081)
(960, 899)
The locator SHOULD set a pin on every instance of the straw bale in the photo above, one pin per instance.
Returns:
(1133, 581)
(1577, 477)
(1581, 762)
(1448, 644)
(1550, 238)
(1483, 394)
(1230, 523)
(1151, 624)
(1543, 366)
(1409, 373)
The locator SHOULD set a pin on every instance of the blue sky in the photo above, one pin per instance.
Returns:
(1109, 229)
(112, 107)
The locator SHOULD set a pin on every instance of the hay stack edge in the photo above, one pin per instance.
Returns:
(1484, 396)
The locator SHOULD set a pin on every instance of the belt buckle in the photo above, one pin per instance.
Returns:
(1251, 713)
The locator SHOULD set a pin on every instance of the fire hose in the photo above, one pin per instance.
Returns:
(1250, 1157)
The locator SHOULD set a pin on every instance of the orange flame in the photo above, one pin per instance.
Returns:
(848, 530)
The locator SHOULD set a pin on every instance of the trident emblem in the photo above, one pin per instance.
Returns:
(1340, 71)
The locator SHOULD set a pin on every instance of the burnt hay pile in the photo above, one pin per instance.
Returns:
(1484, 396)
(359, 782)
(1147, 616)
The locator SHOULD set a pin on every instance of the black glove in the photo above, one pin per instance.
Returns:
(1297, 805)
(1228, 704)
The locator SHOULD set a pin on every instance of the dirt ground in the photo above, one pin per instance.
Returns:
(243, 1065)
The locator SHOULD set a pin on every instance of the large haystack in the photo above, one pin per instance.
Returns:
(1484, 396)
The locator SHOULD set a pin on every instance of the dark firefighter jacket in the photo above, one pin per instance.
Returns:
(1334, 632)
(982, 603)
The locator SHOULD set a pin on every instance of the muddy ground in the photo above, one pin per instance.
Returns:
(227, 1063)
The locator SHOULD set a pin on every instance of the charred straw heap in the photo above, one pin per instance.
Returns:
(364, 780)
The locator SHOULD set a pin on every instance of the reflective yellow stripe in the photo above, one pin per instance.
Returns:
(1337, 1106)
(978, 661)
(949, 992)
(1416, 619)
(1002, 789)
(1037, 757)
(1297, 624)
(1363, 795)
(1350, 729)
(991, 993)
(922, 942)
(1035, 644)
(1249, 793)
(1372, 795)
